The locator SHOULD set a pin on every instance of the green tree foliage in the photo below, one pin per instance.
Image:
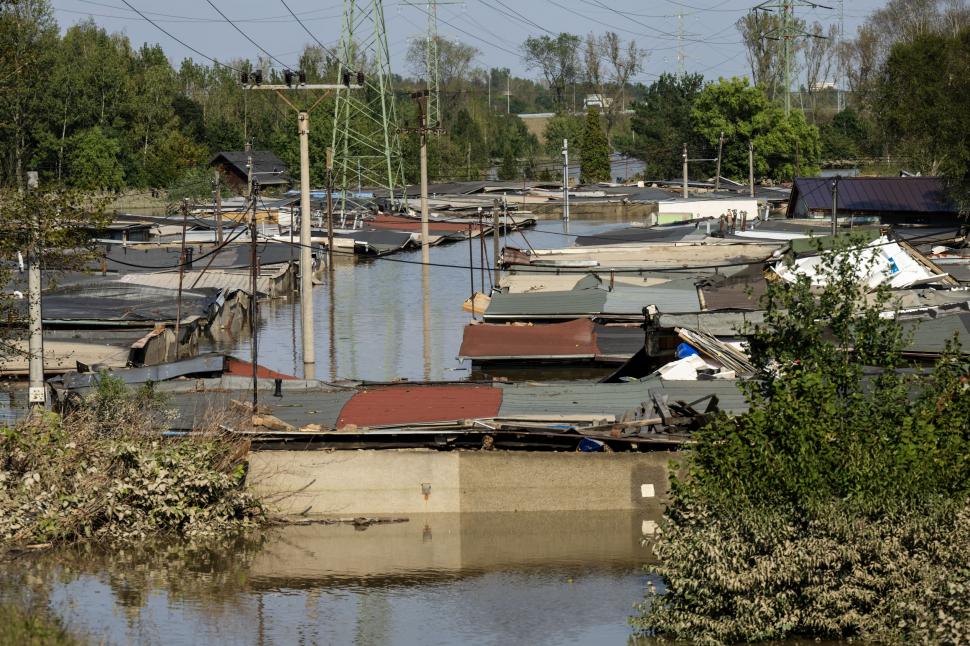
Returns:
(564, 126)
(93, 161)
(845, 137)
(923, 95)
(595, 166)
(839, 499)
(557, 59)
(784, 146)
(662, 124)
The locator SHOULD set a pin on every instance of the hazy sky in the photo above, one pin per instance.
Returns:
(711, 43)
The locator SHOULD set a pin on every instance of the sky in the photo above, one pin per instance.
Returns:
(710, 45)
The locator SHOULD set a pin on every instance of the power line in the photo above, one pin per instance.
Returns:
(179, 40)
(244, 34)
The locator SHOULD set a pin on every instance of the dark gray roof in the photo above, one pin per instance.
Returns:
(268, 169)
(123, 304)
(611, 399)
(931, 335)
(692, 231)
(873, 194)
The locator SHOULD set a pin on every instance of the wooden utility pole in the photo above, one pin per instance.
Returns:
(835, 205)
(751, 166)
(685, 171)
(37, 391)
(184, 207)
(254, 303)
(720, 151)
(306, 259)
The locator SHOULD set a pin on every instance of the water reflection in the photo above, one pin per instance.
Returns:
(374, 321)
(555, 578)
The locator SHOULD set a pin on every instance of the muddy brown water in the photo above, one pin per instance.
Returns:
(549, 578)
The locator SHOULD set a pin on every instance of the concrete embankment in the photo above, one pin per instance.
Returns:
(410, 481)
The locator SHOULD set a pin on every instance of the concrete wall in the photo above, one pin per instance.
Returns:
(411, 481)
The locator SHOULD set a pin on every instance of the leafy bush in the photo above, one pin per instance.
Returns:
(819, 494)
(106, 472)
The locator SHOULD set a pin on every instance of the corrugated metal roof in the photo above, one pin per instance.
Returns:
(876, 194)
(212, 278)
(931, 335)
(401, 405)
(295, 407)
(675, 296)
(571, 304)
(724, 323)
(572, 339)
(575, 398)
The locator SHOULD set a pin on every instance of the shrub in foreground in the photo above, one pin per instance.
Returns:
(106, 472)
(837, 505)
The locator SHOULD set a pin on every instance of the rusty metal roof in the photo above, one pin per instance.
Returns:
(572, 339)
(873, 194)
(405, 404)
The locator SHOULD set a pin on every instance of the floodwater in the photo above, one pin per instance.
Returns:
(387, 318)
(514, 578)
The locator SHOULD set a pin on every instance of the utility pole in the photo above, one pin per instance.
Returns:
(254, 304)
(217, 194)
(835, 205)
(565, 180)
(496, 243)
(184, 207)
(720, 152)
(37, 391)
(751, 166)
(508, 93)
(303, 129)
(685, 171)
(330, 208)
(422, 130)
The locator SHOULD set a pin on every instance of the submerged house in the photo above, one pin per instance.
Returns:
(268, 170)
(893, 200)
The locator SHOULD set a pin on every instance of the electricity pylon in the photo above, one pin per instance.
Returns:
(788, 32)
(366, 143)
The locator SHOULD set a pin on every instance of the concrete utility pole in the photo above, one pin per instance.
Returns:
(496, 243)
(184, 208)
(565, 180)
(422, 130)
(217, 195)
(306, 259)
(330, 208)
(37, 391)
(720, 152)
(685, 171)
(751, 166)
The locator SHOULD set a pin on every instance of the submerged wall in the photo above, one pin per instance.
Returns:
(410, 481)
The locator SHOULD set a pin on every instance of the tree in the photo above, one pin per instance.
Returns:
(557, 60)
(839, 498)
(608, 68)
(819, 59)
(662, 123)
(764, 54)
(93, 161)
(595, 158)
(784, 146)
(564, 126)
(845, 137)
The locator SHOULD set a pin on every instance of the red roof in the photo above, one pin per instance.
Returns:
(403, 223)
(401, 405)
(570, 339)
(241, 368)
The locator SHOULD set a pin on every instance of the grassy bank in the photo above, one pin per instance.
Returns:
(838, 507)
(26, 627)
(105, 472)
